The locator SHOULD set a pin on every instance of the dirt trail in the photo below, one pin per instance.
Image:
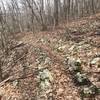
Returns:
(63, 87)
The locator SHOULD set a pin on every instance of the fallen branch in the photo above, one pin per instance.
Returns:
(6, 80)
(18, 45)
(15, 62)
(11, 78)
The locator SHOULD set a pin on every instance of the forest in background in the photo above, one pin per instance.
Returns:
(17, 16)
(32, 15)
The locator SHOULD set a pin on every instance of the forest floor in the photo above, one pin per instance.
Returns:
(42, 67)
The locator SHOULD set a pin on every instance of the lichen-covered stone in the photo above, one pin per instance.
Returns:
(15, 83)
(47, 61)
(45, 74)
(44, 85)
(89, 91)
(98, 90)
(95, 62)
(61, 48)
(81, 79)
(74, 65)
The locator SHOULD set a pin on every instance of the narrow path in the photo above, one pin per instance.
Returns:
(63, 87)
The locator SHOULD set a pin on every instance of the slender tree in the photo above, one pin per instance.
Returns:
(56, 12)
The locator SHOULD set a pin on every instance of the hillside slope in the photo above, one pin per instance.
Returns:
(44, 72)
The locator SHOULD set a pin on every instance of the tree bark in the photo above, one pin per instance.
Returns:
(56, 12)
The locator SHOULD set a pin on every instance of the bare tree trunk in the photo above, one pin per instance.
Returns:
(44, 27)
(93, 6)
(65, 10)
(4, 39)
(56, 12)
(1, 78)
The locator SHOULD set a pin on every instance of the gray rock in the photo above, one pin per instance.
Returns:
(81, 79)
(47, 61)
(45, 74)
(15, 83)
(95, 61)
(44, 85)
(61, 48)
(74, 65)
(90, 91)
